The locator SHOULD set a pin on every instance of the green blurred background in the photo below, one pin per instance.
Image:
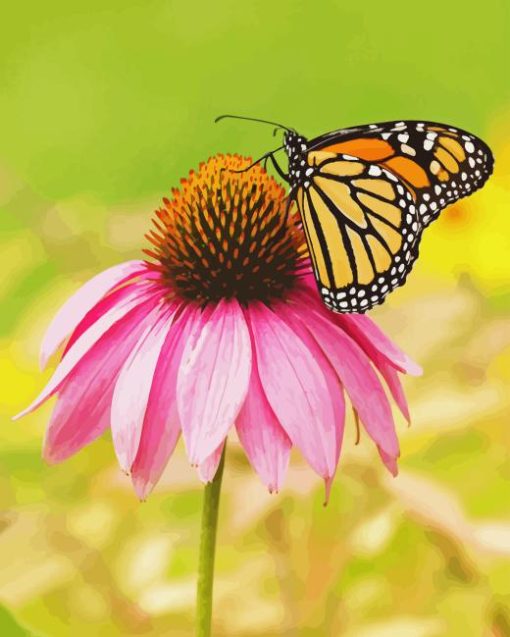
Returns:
(104, 105)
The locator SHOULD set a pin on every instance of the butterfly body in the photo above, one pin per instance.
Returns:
(365, 195)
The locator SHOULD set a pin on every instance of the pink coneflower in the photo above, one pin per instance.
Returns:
(223, 327)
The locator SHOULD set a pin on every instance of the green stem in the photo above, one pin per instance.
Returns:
(207, 552)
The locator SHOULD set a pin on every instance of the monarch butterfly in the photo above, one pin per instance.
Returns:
(365, 195)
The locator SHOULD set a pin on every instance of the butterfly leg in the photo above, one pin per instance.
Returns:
(277, 167)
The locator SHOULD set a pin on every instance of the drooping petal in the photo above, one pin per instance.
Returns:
(82, 411)
(207, 469)
(335, 388)
(213, 379)
(296, 388)
(102, 307)
(372, 339)
(390, 375)
(333, 383)
(132, 389)
(359, 379)
(83, 344)
(81, 302)
(265, 442)
(161, 427)
(381, 360)
(389, 461)
(360, 327)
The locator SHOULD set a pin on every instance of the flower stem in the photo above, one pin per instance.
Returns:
(207, 552)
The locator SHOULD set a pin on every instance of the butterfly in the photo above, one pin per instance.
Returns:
(365, 194)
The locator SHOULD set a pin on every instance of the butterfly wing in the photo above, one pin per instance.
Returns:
(370, 192)
(362, 228)
(438, 163)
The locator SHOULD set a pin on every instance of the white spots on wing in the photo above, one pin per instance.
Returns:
(428, 144)
(469, 146)
(403, 137)
(374, 171)
(408, 150)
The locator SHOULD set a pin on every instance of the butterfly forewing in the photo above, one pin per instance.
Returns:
(439, 163)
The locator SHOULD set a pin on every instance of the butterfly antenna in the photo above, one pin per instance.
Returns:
(264, 157)
(253, 119)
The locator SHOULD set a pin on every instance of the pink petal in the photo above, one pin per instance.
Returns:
(334, 386)
(101, 308)
(296, 389)
(389, 461)
(161, 427)
(131, 393)
(213, 379)
(76, 306)
(207, 469)
(372, 339)
(83, 344)
(358, 378)
(265, 442)
(393, 381)
(82, 411)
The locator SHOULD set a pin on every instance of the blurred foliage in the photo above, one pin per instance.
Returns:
(104, 106)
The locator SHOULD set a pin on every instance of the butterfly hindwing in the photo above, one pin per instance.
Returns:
(362, 228)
